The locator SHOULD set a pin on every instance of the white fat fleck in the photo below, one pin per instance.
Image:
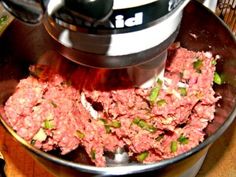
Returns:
(40, 135)
(53, 6)
(167, 80)
(168, 120)
(64, 38)
(193, 35)
(208, 54)
(217, 57)
(181, 84)
(88, 106)
(177, 94)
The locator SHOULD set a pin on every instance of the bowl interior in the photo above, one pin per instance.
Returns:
(200, 30)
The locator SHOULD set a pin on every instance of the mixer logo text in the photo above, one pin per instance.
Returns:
(121, 22)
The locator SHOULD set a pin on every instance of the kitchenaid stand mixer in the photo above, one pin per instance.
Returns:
(109, 33)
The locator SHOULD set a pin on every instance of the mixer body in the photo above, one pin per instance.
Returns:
(106, 33)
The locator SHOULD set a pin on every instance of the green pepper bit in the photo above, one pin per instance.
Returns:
(182, 139)
(115, 124)
(182, 91)
(79, 134)
(214, 62)
(197, 65)
(3, 19)
(174, 146)
(48, 124)
(32, 142)
(161, 102)
(217, 79)
(160, 137)
(155, 91)
(107, 128)
(93, 154)
(144, 125)
(142, 156)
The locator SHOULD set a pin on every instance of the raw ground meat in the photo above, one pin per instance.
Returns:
(101, 111)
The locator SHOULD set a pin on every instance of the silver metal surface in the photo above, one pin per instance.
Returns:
(23, 45)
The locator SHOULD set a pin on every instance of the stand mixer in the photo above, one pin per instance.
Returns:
(24, 45)
(108, 33)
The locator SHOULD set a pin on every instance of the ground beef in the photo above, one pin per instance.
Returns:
(101, 111)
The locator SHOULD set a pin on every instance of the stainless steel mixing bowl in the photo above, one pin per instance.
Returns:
(23, 45)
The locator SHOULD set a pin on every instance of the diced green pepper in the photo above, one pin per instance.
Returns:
(214, 62)
(159, 138)
(155, 91)
(182, 91)
(217, 79)
(3, 19)
(103, 121)
(115, 124)
(197, 65)
(144, 125)
(136, 120)
(182, 139)
(154, 94)
(93, 154)
(32, 142)
(48, 124)
(79, 134)
(161, 102)
(174, 146)
(107, 128)
(142, 156)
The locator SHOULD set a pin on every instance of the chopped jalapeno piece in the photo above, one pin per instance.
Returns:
(182, 139)
(197, 65)
(217, 79)
(115, 124)
(214, 62)
(93, 154)
(144, 125)
(103, 121)
(3, 19)
(161, 102)
(107, 128)
(159, 137)
(182, 91)
(155, 91)
(142, 156)
(33, 142)
(136, 120)
(48, 124)
(174, 146)
(150, 128)
(79, 134)
(154, 94)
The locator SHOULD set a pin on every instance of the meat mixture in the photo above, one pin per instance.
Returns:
(101, 111)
